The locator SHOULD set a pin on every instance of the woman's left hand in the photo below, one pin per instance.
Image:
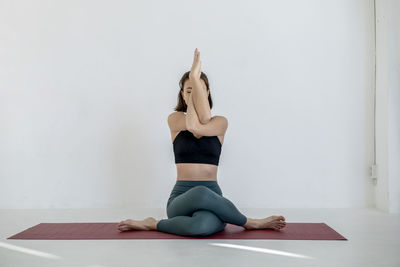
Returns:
(195, 71)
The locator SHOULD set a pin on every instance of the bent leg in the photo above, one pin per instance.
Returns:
(202, 198)
(201, 223)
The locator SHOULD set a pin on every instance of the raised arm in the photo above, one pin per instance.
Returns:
(200, 100)
(200, 94)
(192, 120)
(216, 126)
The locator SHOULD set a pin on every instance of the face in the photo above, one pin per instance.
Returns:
(187, 90)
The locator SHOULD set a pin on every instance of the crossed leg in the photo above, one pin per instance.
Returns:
(202, 197)
(200, 211)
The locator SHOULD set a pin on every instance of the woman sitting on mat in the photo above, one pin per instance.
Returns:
(196, 206)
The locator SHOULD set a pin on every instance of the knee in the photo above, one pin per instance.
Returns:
(202, 193)
(201, 228)
(201, 189)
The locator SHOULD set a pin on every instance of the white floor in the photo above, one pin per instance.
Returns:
(373, 240)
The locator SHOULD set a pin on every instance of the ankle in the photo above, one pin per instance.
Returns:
(250, 223)
(155, 225)
(152, 225)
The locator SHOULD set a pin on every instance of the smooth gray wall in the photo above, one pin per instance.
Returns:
(86, 88)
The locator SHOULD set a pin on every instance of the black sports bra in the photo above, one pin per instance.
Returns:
(190, 149)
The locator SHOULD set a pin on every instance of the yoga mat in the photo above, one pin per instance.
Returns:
(105, 230)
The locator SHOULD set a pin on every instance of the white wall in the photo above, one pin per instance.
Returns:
(388, 105)
(86, 88)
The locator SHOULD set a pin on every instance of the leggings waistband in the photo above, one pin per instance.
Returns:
(196, 182)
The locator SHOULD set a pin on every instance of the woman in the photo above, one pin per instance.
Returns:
(196, 206)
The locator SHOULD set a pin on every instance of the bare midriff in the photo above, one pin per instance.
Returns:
(196, 172)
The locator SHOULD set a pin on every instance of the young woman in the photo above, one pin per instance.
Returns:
(196, 206)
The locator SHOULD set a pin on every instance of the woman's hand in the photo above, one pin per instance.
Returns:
(195, 71)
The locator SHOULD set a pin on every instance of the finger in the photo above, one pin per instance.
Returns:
(195, 55)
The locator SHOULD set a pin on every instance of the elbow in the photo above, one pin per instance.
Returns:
(205, 120)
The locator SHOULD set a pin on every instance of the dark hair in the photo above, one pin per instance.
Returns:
(181, 106)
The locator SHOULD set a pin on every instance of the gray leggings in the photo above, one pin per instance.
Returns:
(197, 208)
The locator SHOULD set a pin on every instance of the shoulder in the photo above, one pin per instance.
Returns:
(176, 117)
(176, 114)
(218, 121)
(221, 119)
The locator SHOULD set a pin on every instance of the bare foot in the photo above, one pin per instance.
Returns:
(272, 222)
(147, 224)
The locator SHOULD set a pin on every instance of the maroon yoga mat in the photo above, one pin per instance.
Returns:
(104, 230)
